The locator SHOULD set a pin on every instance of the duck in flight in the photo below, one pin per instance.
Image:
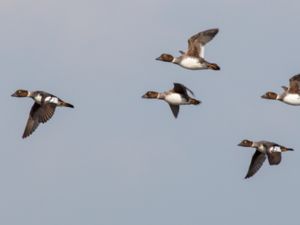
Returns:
(174, 97)
(290, 95)
(193, 58)
(263, 149)
(42, 110)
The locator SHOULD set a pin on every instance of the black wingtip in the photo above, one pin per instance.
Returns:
(25, 135)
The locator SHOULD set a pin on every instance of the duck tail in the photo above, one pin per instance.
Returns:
(67, 105)
(284, 149)
(213, 66)
(195, 101)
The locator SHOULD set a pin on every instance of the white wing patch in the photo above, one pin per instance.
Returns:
(201, 51)
(51, 99)
(275, 149)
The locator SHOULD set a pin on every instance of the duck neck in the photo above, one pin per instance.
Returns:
(255, 145)
(176, 60)
(280, 97)
(161, 96)
(29, 94)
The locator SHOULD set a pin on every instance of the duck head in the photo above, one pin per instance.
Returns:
(270, 95)
(246, 143)
(165, 57)
(20, 93)
(151, 94)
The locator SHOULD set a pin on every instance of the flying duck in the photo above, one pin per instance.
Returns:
(193, 58)
(263, 148)
(174, 97)
(42, 110)
(290, 95)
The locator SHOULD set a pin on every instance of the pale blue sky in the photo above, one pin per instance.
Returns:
(117, 159)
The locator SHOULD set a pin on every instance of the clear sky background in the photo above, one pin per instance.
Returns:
(117, 159)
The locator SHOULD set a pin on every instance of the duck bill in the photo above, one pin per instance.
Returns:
(264, 96)
(241, 144)
(14, 95)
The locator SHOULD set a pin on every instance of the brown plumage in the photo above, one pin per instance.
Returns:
(193, 58)
(294, 84)
(197, 42)
(175, 97)
(42, 110)
(256, 162)
(263, 149)
(38, 114)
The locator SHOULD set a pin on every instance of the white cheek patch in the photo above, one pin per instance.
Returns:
(275, 149)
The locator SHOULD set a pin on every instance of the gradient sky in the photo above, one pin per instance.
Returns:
(117, 159)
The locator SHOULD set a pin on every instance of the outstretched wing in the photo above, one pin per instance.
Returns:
(175, 110)
(181, 89)
(274, 158)
(196, 43)
(257, 160)
(38, 114)
(294, 84)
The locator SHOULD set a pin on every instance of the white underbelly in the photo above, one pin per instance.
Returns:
(292, 99)
(175, 99)
(191, 63)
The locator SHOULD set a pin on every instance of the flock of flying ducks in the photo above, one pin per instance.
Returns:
(193, 59)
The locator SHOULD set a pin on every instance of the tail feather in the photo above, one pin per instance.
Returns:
(67, 105)
(213, 66)
(284, 149)
(195, 101)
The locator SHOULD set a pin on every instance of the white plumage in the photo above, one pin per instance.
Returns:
(191, 63)
(51, 99)
(175, 99)
(292, 99)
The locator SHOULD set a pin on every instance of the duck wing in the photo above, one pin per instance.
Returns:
(257, 161)
(294, 84)
(174, 109)
(181, 89)
(274, 158)
(196, 42)
(38, 114)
